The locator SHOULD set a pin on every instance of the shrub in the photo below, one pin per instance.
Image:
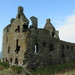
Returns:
(17, 69)
(1, 68)
(4, 64)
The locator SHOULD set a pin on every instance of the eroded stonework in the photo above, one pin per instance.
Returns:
(36, 47)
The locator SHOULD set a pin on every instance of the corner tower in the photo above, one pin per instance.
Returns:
(15, 39)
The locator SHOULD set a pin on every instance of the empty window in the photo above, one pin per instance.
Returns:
(51, 47)
(7, 29)
(63, 55)
(36, 48)
(8, 50)
(53, 34)
(62, 46)
(17, 29)
(6, 60)
(44, 44)
(25, 27)
(16, 61)
(67, 47)
(17, 47)
(6, 39)
(72, 47)
(18, 16)
(11, 60)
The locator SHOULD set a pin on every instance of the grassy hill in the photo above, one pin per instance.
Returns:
(63, 69)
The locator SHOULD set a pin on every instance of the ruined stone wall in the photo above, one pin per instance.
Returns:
(67, 51)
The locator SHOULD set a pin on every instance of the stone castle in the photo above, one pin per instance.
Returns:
(36, 47)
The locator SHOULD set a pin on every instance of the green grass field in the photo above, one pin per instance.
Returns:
(63, 69)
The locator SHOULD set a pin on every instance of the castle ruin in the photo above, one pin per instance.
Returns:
(38, 47)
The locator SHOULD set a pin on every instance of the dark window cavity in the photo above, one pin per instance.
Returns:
(18, 16)
(11, 60)
(16, 61)
(36, 48)
(6, 39)
(44, 44)
(17, 29)
(17, 47)
(6, 60)
(68, 47)
(51, 47)
(25, 27)
(53, 34)
(62, 46)
(8, 50)
(7, 29)
(72, 47)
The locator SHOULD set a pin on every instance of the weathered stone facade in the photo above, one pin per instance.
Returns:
(24, 44)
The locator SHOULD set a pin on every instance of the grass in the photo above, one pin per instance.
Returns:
(54, 70)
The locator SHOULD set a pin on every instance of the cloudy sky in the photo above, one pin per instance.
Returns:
(61, 13)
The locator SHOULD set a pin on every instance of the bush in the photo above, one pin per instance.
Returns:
(17, 69)
(4, 64)
(1, 68)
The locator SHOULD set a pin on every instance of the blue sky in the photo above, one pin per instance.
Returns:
(61, 13)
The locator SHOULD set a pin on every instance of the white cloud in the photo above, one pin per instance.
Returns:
(67, 30)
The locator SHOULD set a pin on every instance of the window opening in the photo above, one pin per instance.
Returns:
(16, 61)
(6, 60)
(7, 29)
(44, 44)
(36, 48)
(51, 47)
(18, 16)
(17, 29)
(67, 47)
(17, 47)
(25, 27)
(6, 39)
(8, 50)
(53, 34)
(11, 60)
(62, 46)
(72, 47)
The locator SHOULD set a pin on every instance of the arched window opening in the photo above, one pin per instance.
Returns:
(62, 46)
(16, 61)
(11, 60)
(17, 47)
(8, 50)
(51, 47)
(17, 29)
(25, 27)
(53, 34)
(36, 48)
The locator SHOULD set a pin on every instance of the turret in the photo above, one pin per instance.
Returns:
(21, 15)
(50, 27)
